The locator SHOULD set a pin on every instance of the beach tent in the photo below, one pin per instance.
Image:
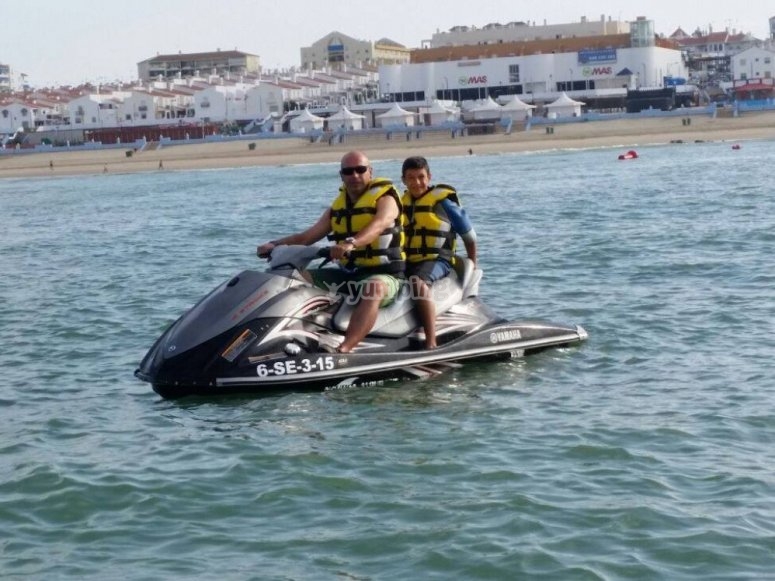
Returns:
(438, 114)
(516, 109)
(488, 109)
(345, 119)
(305, 122)
(396, 117)
(564, 106)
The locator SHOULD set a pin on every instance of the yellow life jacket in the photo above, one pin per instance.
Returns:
(385, 254)
(428, 235)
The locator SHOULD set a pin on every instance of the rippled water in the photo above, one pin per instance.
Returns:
(647, 453)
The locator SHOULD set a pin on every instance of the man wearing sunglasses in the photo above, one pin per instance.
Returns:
(364, 221)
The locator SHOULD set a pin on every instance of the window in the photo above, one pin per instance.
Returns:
(513, 73)
(767, 60)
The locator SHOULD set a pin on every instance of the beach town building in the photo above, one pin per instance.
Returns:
(16, 114)
(6, 85)
(94, 110)
(336, 51)
(708, 55)
(226, 63)
(754, 63)
(754, 74)
(517, 31)
(31, 111)
(595, 69)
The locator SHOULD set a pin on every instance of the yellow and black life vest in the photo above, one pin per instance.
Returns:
(385, 254)
(428, 234)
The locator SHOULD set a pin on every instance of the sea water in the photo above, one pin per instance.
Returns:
(646, 453)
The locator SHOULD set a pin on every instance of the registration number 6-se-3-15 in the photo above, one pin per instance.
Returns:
(289, 366)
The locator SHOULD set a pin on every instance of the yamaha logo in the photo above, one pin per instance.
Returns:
(501, 336)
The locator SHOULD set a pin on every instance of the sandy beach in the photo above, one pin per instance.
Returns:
(626, 134)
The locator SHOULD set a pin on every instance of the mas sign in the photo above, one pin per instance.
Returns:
(597, 71)
(472, 80)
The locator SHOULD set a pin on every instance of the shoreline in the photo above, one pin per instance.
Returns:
(625, 133)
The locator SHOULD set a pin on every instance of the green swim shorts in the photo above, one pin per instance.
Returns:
(351, 284)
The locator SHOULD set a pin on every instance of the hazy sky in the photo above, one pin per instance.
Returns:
(69, 42)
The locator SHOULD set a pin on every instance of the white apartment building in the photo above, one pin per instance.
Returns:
(540, 76)
(93, 111)
(754, 63)
(16, 114)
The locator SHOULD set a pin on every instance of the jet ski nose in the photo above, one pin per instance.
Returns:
(582, 333)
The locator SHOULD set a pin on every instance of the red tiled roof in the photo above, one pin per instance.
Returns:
(715, 37)
(754, 87)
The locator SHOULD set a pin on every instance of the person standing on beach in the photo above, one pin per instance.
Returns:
(364, 221)
(432, 219)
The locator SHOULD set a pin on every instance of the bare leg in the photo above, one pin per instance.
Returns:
(365, 314)
(426, 308)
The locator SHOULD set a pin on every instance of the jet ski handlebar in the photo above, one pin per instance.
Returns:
(296, 256)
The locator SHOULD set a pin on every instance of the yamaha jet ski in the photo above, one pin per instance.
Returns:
(263, 332)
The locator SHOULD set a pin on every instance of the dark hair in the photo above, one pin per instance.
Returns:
(415, 162)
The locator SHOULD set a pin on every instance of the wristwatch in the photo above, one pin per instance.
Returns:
(350, 240)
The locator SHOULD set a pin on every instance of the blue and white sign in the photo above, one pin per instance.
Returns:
(603, 55)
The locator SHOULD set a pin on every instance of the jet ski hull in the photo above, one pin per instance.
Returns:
(260, 333)
(326, 371)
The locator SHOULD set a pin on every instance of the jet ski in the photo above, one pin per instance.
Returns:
(264, 332)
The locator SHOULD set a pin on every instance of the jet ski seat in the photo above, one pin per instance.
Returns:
(399, 318)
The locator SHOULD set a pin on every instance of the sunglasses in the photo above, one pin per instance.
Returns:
(359, 169)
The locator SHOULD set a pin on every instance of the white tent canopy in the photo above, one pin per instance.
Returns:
(513, 102)
(437, 114)
(345, 119)
(306, 121)
(564, 106)
(489, 109)
(396, 116)
(516, 109)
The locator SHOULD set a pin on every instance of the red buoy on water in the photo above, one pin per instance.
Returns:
(632, 154)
